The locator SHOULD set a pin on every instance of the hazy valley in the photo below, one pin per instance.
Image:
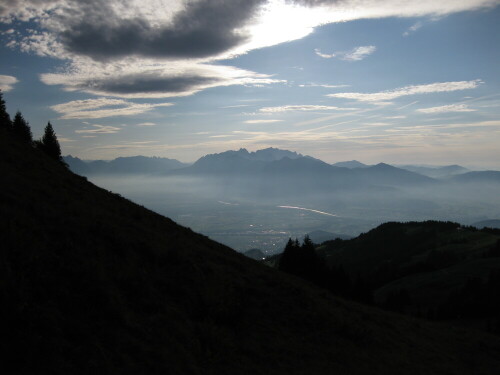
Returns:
(259, 199)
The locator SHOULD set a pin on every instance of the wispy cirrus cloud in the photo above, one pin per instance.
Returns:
(221, 136)
(65, 140)
(327, 86)
(398, 117)
(102, 107)
(289, 108)
(7, 83)
(409, 90)
(359, 53)
(152, 79)
(324, 55)
(262, 121)
(355, 54)
(99, 129)
(447, 109)
(417, 25)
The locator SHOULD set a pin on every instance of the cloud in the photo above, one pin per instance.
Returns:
(323, 55)
(7, 83)
(356, 54)
(194, 31)
(99, 129)
(261, 121)
(409, 90)
(397, 8)
(65, 140)
(116, 47)
(102, 107)
(323, 85)
(221, 136)
(235, 106)
(148, 83)
(131, 79)
(25, 9)
(447, 109)
(288, 108)
(408, 105)
(375, 124)
(147, 124)
(112, 29)
(184, 29)
(413, 28)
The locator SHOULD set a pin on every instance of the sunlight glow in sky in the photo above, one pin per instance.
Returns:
(392, 81)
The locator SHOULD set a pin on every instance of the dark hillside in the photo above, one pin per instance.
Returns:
(423, 267)
(91, 283)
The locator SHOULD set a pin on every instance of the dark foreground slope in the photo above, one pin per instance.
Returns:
(437, 269)
(92, 283)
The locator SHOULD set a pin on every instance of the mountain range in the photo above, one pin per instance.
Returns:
(273, 161)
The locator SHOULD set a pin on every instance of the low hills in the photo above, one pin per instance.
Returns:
(492, 177)
(493, 223)
(93, 283)
(320, 236)
(446, 171)
(385, 174)
(429, 264)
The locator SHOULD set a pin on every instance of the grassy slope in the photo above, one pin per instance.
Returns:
(90, 282)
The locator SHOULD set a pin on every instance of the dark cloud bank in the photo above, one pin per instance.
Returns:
(201, 29)
(139, 83)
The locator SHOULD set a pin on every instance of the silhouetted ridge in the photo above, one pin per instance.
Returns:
(421, 267)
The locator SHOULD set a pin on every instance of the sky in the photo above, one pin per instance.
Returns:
(395, 81)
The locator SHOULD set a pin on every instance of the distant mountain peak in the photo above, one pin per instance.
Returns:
(273, 154)
(350, 164)
(266, 154)
(383, 166)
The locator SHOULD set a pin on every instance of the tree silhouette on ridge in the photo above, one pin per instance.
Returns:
(21, 128)
(49, 144)
(5, 121)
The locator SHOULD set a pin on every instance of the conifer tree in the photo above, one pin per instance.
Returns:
(288, 261)
(5, 122)
(21, 128)
(49, 143)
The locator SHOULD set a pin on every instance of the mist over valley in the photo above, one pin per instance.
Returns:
(259, 199)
